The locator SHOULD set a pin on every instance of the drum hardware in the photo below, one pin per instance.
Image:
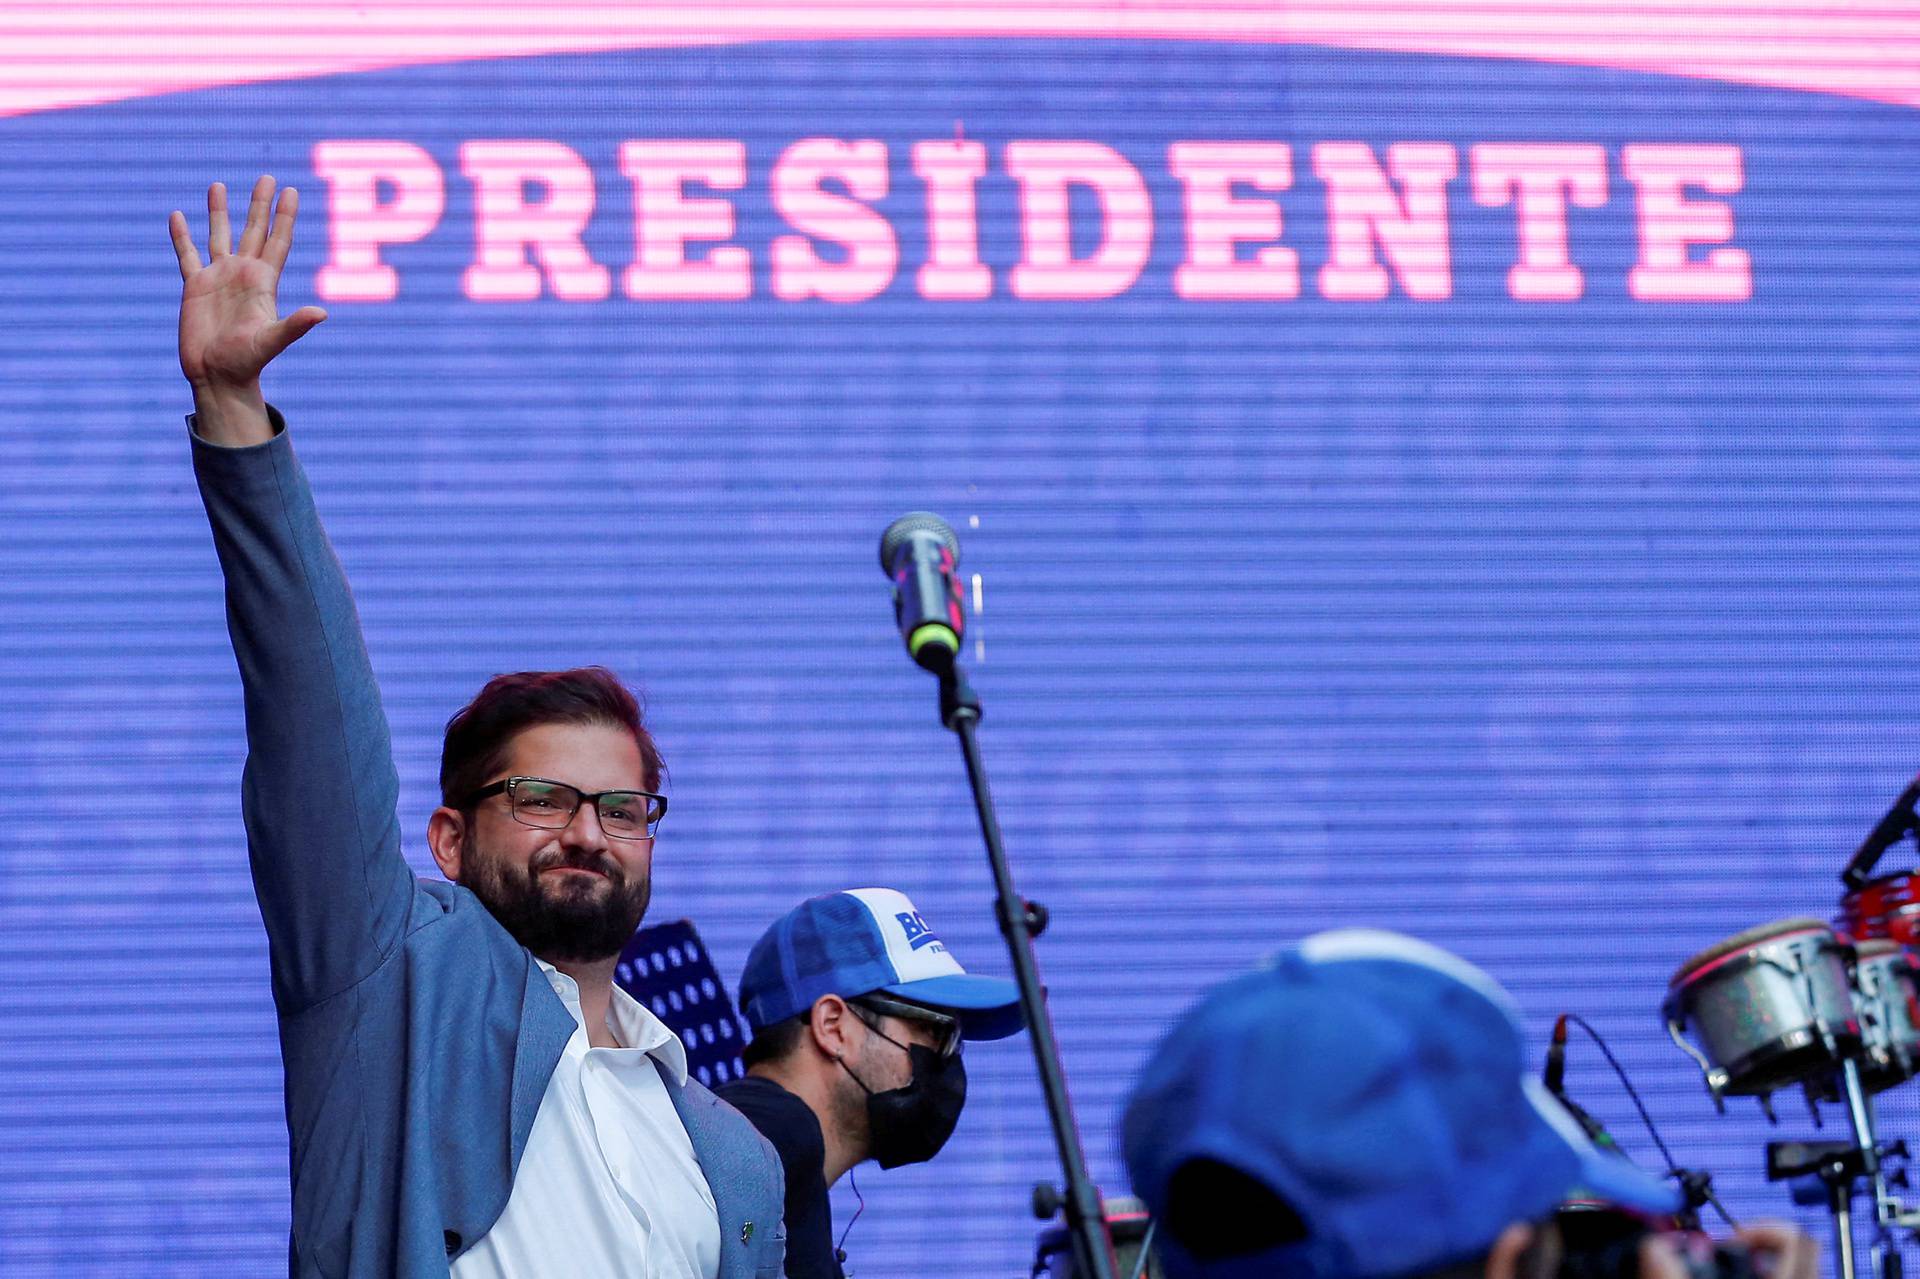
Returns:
(1887, 907)
(1838, 1165)
(1770, 1007)
(1833, 1010)
(1901, 819)
(1887, 996)
(1790, 1003)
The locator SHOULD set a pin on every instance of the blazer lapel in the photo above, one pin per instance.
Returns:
(719, 1159)
(545, 1028)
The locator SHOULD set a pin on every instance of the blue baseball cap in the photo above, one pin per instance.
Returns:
(1376, 1085)
(862, 941)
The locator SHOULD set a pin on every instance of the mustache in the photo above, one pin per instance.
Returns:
(557, 858)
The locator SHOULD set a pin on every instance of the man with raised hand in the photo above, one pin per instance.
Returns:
(466, 1088)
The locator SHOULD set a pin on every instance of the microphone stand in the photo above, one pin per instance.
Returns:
(1900, 820)
(1020, 922)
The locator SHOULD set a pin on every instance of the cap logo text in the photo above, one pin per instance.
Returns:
(918, 934)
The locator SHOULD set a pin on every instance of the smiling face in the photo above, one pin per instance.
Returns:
(571, 895)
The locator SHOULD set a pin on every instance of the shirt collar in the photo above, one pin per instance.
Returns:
(633, 1023)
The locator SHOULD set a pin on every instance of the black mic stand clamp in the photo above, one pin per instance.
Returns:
(1838, 1165)
(1696, 1192)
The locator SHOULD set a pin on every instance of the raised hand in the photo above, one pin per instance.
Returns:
(230, 326)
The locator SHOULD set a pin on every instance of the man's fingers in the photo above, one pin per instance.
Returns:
(219, 232)
(255, 233)
(282, 334)
(183, 243)
(1794, 1253)
(280, 242)
(1659, 1259)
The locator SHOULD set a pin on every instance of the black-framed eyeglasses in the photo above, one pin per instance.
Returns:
(946, 1029)
(550, 805)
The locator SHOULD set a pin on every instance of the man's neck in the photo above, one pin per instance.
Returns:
(595, 980)
(842, 1152)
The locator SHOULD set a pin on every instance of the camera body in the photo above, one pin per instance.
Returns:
(1602, 1242)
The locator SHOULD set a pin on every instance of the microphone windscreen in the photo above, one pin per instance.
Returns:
(906, 526)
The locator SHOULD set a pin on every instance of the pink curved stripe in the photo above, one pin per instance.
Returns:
(55, 55)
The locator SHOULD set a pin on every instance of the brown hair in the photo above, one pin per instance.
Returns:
(478, 735)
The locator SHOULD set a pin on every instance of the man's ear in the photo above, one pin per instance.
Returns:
(827, 1020)
(446, 836)
(1504, 1261)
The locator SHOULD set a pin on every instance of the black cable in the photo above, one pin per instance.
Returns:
(840, 1249)
(1673, 1165)
(1577, 1020)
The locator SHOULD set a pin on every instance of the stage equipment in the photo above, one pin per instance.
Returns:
(1887, 999)
(1696, 1186)
(1900, 820)
(1887, 907)
(920, 556)
(1555, 1078)
(1129, 1227)
(1834, 1011)
(667, 968)
(1771, 1007)
(1602, 1242)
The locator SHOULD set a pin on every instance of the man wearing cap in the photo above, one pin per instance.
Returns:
(858, 1011)
(1358, 1109)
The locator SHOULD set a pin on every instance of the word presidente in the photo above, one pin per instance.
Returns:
(1387, 222)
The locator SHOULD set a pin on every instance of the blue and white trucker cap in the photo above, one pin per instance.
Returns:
(1377, 1086)
(866, 940)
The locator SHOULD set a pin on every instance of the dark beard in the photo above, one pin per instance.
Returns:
(563, 921)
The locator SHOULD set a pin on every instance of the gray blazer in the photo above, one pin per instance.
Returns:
(417, 1036)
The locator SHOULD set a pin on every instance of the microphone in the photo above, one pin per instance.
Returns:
(1555, 1078)
(1888, 831)
(919, 554)
(1556, 1074)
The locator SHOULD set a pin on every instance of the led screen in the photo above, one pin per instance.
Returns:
(1437, 467)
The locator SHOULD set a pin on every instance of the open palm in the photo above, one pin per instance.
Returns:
(230, 326)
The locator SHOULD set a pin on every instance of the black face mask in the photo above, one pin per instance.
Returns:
(909, 1125)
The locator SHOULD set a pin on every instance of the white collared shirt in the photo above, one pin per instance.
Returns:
(608, 1187)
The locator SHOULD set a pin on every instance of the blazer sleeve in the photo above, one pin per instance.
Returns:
(319, 791)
